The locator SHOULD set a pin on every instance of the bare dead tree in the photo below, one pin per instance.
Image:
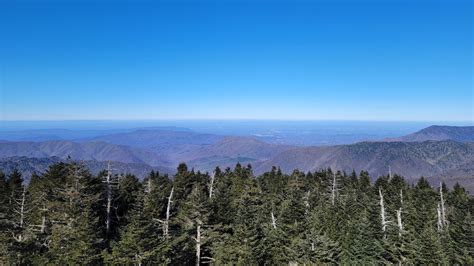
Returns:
(306, 202)
(20, 207)
(165, 223)
(442, 205)
(383, 218)
(211, 184)
(109, 196)
(441, 210)
(20, 210)
(273, 221)
(168, 209)
(200, 239)
(198, 243)
(439, 223)
(334, 189)
(399, 215)
(110, 182)
(43, 224)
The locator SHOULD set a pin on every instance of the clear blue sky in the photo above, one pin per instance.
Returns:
(352, 60)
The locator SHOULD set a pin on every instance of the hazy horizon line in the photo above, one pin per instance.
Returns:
(230, 119)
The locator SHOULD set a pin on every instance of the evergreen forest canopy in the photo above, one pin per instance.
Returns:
(68, 216)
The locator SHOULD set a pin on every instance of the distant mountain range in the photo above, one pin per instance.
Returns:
(165, 144)
(38, 135)
(28, 166)
(204, 152)
(461, 134)
(229, 151)
(201, 151)
(91, 150)
(435, 152)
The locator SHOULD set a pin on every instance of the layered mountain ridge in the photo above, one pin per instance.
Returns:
(438, 152)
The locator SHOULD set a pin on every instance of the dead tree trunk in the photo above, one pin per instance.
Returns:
(306, 202)
(168, 209)
(198, 244)
(43, 224)
(165, 223)
(273, 221)
(109, 202)
(211, 184)
(382, 213)
(200, 235)
(109, 182)
(443, 210)
(333, 189)
(22, 207)
(399, 215)
(439, 223)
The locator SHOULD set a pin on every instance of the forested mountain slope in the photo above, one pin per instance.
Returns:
(429, 158)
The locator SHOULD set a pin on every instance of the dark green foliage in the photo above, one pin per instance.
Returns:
(272, 219)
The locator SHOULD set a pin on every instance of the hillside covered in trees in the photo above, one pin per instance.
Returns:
(68, 216)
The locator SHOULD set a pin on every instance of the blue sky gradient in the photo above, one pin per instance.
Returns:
(304, 60)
